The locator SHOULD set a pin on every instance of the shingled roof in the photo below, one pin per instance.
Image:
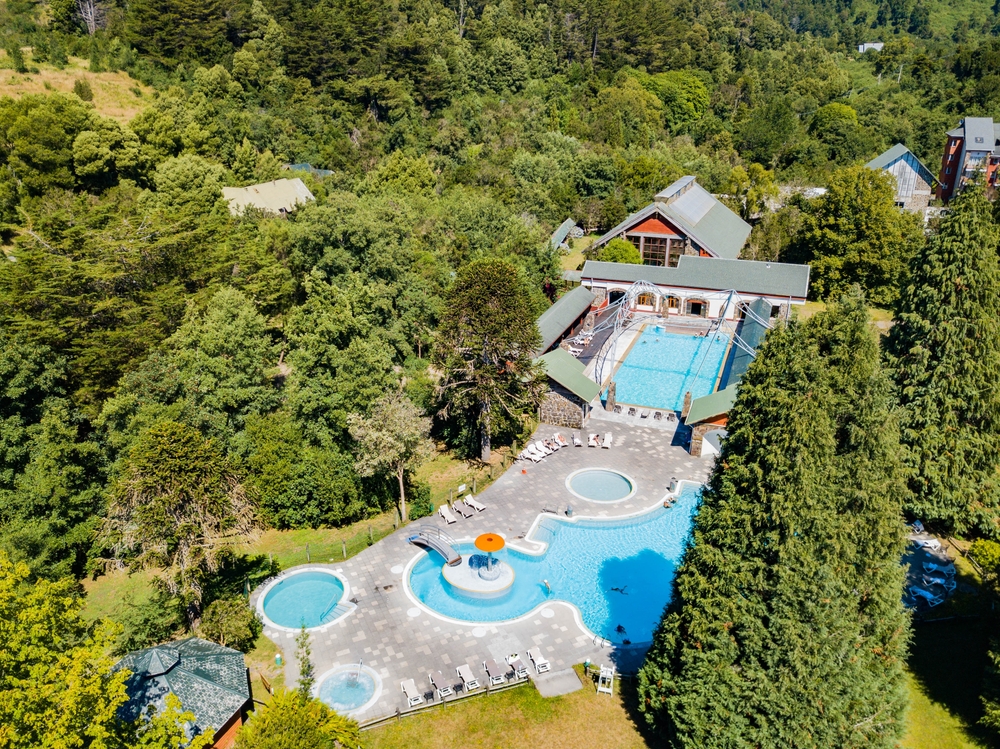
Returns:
(554, 321)
(209, 680)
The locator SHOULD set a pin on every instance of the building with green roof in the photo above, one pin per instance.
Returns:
(563, 317)
(914, 181)
(210, 680)
(570, 393)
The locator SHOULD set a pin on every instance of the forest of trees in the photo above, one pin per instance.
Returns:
(160, 357)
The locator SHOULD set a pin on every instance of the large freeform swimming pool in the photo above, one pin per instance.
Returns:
(618, 573)
(662, 366)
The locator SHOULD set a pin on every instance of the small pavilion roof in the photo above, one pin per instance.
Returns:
(553, 322)
(564, 368)
(711, 406)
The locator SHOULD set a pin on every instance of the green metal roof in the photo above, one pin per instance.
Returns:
(553, 322)
(712, 274)
(752, 333)
(210, 681)
(711, 406)
(562, 367)
(899, 151)
(560, 234)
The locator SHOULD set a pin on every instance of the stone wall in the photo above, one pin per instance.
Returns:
(698, 433)
(920, 198)
(561, 408)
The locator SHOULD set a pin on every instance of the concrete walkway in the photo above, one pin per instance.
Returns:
(400, 639)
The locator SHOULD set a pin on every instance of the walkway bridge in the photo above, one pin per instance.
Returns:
(432, 537)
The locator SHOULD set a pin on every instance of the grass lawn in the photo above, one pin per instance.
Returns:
(115, 94)
(515, 718)
(445, 473)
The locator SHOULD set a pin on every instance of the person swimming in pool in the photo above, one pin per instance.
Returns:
(620, 590)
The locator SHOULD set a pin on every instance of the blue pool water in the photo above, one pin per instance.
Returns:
(662, 366)
(601, 485)
(584, 562)
(347, 690)
(304, 598)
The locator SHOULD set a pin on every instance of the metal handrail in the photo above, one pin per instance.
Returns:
(434, 532)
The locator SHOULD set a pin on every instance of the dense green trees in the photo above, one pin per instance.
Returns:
(945, 350)
(786, 626)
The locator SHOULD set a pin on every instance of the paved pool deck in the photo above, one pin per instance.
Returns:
(400, 640)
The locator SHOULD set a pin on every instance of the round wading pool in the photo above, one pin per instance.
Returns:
(349, 689)
(600, 485)
(309, 598)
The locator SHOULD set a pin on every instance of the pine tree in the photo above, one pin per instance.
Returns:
(945, 350)
(786, 627)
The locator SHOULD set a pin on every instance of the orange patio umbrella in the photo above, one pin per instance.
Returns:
(489, 542)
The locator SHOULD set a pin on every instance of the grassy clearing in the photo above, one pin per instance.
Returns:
(445, 473)
(260, 661)
(116, 95)
(105, 594)
(293, 547)
(517, 717)
(881, 317)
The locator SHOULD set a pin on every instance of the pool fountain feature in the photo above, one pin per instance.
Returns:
(481, 575)
(349, 689)
(600, 485)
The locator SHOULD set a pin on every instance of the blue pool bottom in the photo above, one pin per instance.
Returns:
(601, 485)
(661, 367)
(618, 573)
(347, 690)
(306, 598)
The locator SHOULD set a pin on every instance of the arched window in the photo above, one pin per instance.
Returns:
(673, 303)
(645, 300)
(615, 296)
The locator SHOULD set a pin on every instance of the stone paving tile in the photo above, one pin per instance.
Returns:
(400, 640)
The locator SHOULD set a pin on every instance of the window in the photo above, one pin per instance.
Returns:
(948, 170)
(673, 303)
(676, 250)
(979, 140)
(697, 307)
(655, 251)
(645, 300)
(633, 240)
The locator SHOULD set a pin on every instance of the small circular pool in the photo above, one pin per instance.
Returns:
(307, 598)
(349, 689)
(600, 485)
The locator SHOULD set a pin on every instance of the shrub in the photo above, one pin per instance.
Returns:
(81, 87)
(231, 622)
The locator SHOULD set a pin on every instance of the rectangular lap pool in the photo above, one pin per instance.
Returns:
(662, 366)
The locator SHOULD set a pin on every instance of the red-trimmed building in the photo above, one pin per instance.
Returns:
(972, 152)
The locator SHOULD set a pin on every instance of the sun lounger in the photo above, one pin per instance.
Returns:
(945, 582)
(517, 666)
(494, 672)
(442, 687)
(469, 682)
(593, 441)
(917, 526)
(575, 351)
(413, 697)
(461, 509)
(577, 442)
(928, 543)
(541, 447)
(541, 665)
(606, 442)
(444, 512)
(560, 439)
(644, 414)
(947, 569)
(918, 593)
(473, 503)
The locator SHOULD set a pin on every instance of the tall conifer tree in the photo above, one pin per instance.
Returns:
(945, 350)
(786, 627)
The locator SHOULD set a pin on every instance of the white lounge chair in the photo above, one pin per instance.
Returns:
(945, 582)
(606, 442)
(575, 351)
(473, 503)
(532, 454)
(917, 526)
(413, 697)
(541, 447)
(577, 442)
(462, 509)
(931, 598)
(560, 439)
(469, 681)
(592, 442)
(444, 512)
(928, 543)
(539, 661)
(442, 687)
(517, 665)
(644, 414)
(947, 569)
(494, 672)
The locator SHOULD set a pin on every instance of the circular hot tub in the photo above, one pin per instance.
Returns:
(307, 598)
(349, 689)
(600, 485)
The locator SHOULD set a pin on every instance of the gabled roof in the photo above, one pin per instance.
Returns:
(696, 213)
(713, 274)
(560, 234)
(276, 196)
(899, 151)
(979, 134)
(711, 406)
(562, 367)
(210, 681)
(553, 322)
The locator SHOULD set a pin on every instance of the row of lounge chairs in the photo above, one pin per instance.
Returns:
(596, 441)
(645, 412)
(539, 449)
(579, 342)
(938, 579)
(513, 669)
(466, 507)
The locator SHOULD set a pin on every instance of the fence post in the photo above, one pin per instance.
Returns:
(450, 496)
(343, 547)
(474, 484)
(370, 536)
(308, 558)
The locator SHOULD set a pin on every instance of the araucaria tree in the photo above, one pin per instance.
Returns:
(487, 342)
(176, 505)
(945, 350)
(786, 627)
(393, 438)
